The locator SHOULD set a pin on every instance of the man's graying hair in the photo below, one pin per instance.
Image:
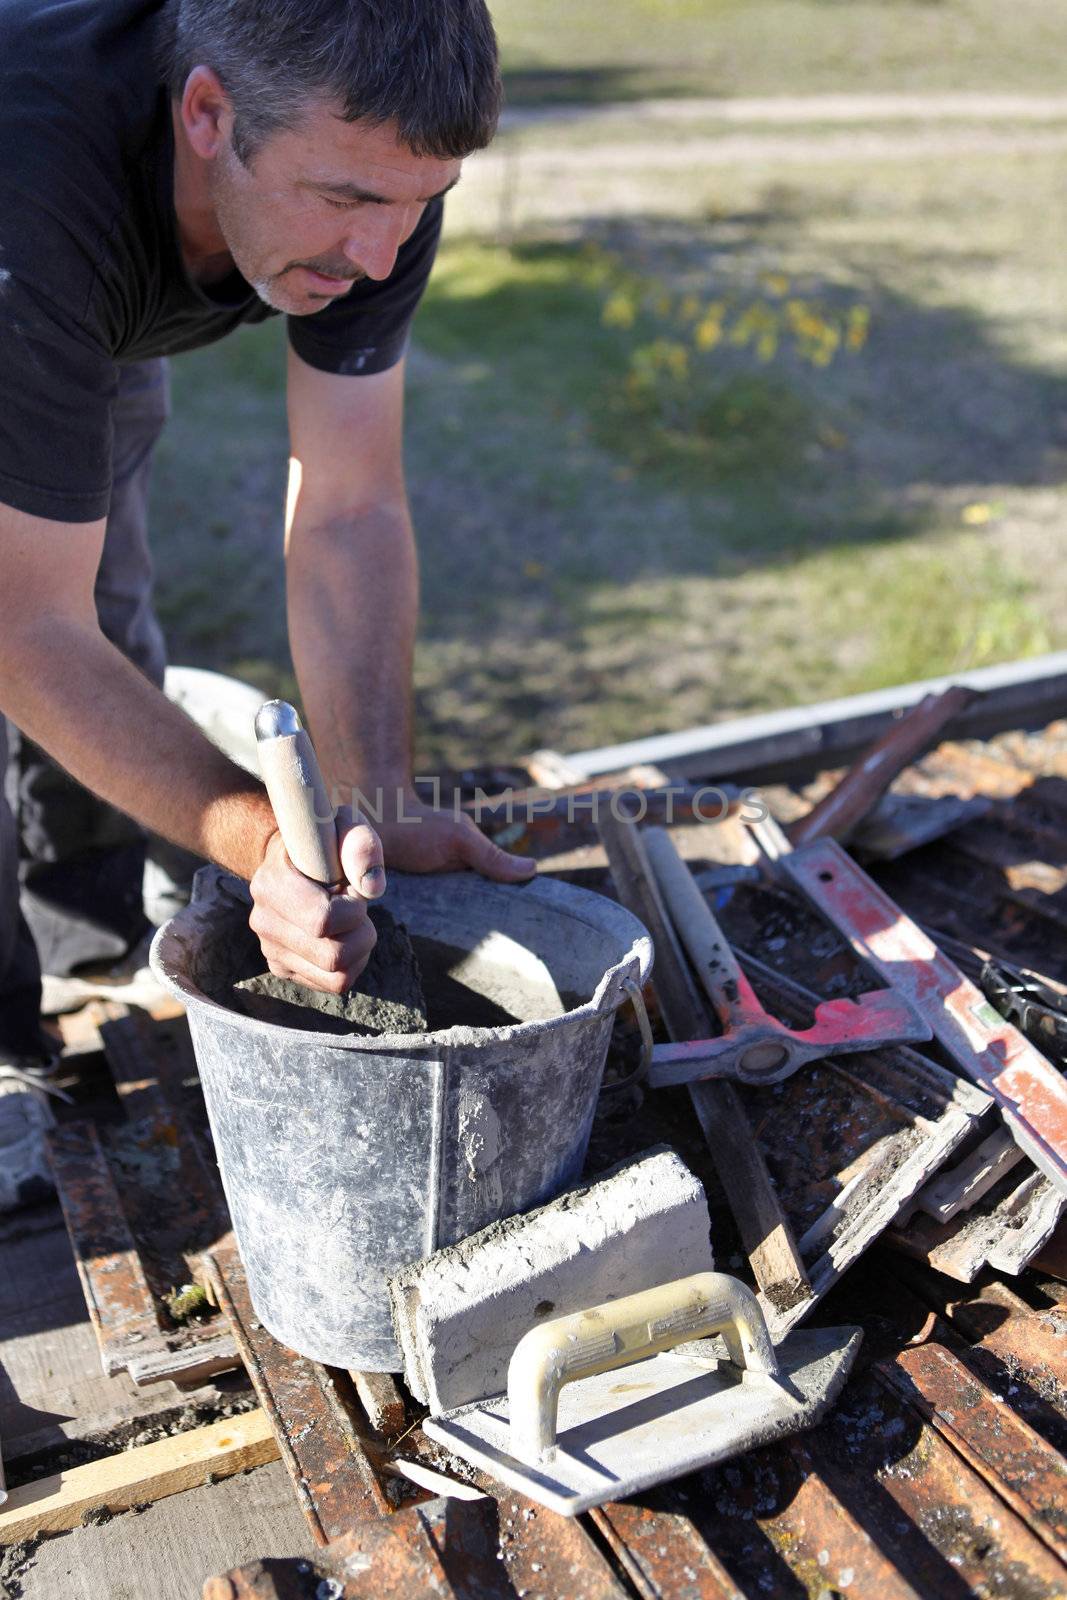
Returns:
(429, 66)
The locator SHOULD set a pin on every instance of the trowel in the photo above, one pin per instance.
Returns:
(297, 793)
(611, 1400)
(389, 997)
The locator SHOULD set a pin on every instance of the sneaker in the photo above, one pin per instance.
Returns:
(130, 979)
(25, 1118)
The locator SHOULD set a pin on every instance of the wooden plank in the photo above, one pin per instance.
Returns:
(947, 1532)
(135, 1477)
(662, 1554)
(381, 1400)
(928, 1110)
(401, 1557)
(117, 1292)
(121, 1307)
(53, 1392)
(168, 1550)
(762, 1223)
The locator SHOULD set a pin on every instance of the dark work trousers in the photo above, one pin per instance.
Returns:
(71, 866)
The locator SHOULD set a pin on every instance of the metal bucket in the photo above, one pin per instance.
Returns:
(343, 1156)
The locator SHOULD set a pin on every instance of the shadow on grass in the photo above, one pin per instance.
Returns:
(932, 400)
(531, 88)
(562, 528)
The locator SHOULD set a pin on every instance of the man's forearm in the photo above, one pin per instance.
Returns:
(353, 606)
(73, 693)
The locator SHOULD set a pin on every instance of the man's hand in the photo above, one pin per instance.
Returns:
(323, 940)
(435, 841)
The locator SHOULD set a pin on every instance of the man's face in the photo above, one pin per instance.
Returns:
(320, 206)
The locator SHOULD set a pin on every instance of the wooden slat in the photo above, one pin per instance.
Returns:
(952, 1535)
(135, 1477)
(116, 1290)
(762, 1223)
(381, 1400)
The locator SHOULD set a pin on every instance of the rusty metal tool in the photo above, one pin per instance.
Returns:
(1034, 1007)
(839, 812)
(755, 1047)
(1031, 1094)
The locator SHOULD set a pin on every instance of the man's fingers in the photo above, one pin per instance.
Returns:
(306, 933)
(334, 970)
(344, 914)
(340, 952)
(278, 882)
(362, 861)
(483, 856)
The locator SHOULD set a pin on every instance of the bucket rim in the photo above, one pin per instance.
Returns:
(167, 960)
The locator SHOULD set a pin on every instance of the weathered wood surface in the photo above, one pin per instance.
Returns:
(168, 1551)
(764, 1228)
(381, 1400)
(52, 1388)
(138, 1476)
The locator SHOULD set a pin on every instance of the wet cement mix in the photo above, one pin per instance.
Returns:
(388, 996)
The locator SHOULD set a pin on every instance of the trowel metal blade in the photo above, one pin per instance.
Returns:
(625, 1430)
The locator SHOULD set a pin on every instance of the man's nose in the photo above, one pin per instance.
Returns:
(373, 245)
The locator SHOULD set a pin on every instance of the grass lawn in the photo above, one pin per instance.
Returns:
(687, 437)
(623, 49)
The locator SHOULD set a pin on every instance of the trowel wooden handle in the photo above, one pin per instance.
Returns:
(622, 1331)
(707, 946)
(297, 792)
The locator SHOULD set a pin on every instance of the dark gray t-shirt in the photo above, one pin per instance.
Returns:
(91, 274)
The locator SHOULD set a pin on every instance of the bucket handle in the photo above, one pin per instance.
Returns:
(640, 1072)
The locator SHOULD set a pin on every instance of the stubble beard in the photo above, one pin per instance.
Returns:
(233, 210)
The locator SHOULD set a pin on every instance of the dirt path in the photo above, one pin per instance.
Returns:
(607, 154)
(826, 129)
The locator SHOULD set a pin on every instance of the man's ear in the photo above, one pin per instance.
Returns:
(206, 113)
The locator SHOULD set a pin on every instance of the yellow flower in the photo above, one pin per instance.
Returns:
(859, 322)
(821, 349)
(747, 324)
(708, 330)
(775, 283)
(689, 308)
(532, 569)
(619, 311)
(674, 358)
(976, 513)
(767, 344)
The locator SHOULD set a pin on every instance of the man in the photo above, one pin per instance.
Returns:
(170, 169)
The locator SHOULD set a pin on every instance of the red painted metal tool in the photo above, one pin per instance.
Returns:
(755, 1047)
(1030, 1092)
(838, 813)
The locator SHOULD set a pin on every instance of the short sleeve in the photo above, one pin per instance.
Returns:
(366, 331)
(57, 390)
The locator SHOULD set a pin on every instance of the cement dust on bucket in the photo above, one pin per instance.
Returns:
(346, 1155)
